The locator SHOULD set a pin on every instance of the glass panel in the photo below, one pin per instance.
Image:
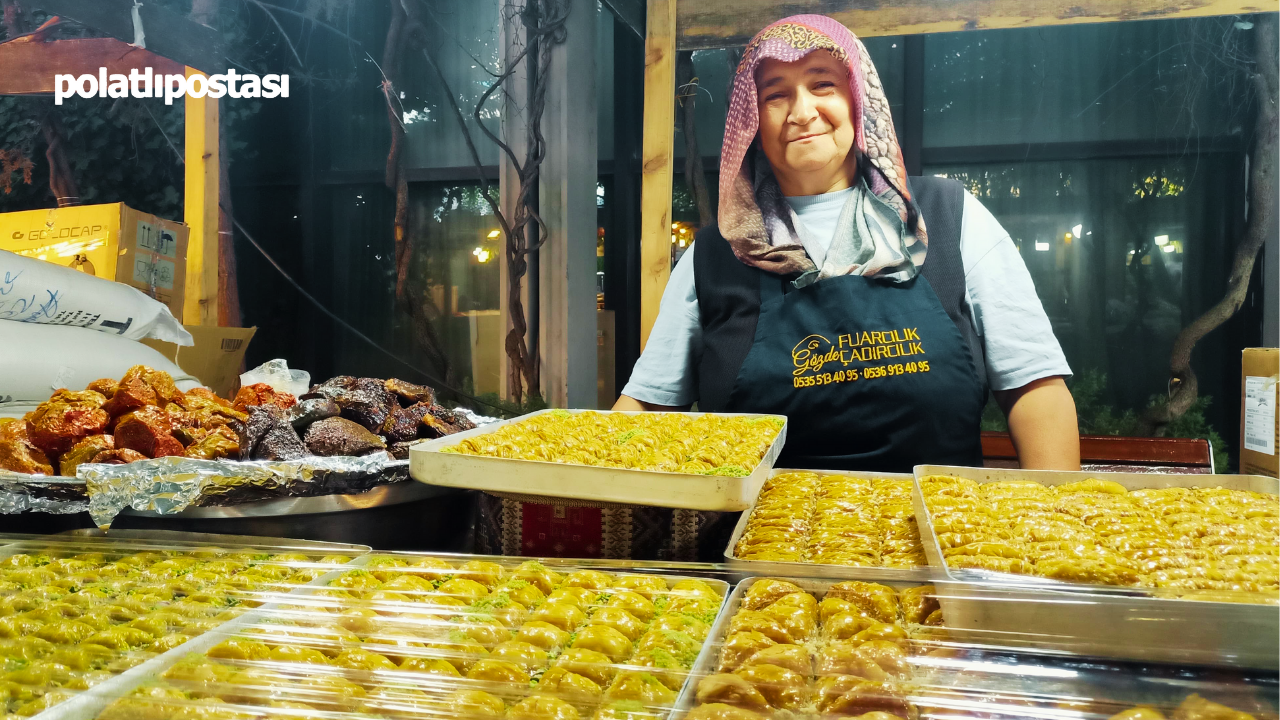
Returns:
(1123, 253)
(349, 266)
(604, 83)
(1108, 81)
(464, 40)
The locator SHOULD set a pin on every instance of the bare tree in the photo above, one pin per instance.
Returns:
(1183, 386)
(523, 230)
(687, 110)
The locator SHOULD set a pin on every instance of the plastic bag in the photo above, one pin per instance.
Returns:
(35, 291)
(277, 374)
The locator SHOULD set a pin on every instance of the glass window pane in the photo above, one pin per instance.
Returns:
(1123, 253)
(1107, 81)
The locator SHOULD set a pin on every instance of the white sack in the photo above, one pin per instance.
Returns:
(35, 360)
(35, 291)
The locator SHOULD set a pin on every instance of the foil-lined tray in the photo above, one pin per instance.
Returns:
(21, 492)
(172, 484)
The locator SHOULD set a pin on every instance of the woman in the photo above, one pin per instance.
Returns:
(822, 296)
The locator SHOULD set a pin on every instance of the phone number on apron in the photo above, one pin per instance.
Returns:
(870, 373)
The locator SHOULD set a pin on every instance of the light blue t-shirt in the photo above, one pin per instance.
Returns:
(1017, 339)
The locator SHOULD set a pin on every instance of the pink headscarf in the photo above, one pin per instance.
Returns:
(741, 220)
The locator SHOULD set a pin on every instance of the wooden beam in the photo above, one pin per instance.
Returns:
(657, 158)
(200, 306)
(703, 24)
(29, 67)
(166, 33)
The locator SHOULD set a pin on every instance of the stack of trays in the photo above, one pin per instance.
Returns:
(416, 636)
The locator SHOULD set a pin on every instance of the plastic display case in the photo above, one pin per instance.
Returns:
(819, 648)
(81, 614)
(408, 636)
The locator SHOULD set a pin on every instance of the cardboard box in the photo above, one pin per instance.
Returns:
(111, 241)
(1259, 422)
(214, 359)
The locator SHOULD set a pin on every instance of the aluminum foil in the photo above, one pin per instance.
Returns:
(20, 492)
(172, 484)
(476, 418)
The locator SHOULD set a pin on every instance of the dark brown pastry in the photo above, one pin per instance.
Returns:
(311, 410)
(84, 451)
(280, 443)
(339, 436)
(65, 419)
(143, 430)
(409, 393)
(267, 435)
(400, 450)
(439, 422)
(119, 456)
(17, 453)
(402, 423)
(362, 400)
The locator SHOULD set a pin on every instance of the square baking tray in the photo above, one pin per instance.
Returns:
(584, 482)
(802, 569)
(1104, 620)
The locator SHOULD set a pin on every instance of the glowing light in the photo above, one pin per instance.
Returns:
(1076, 230)
(1042, 246)
(1162, 240)
(494, 233)
(1169, 248)
(482, 255)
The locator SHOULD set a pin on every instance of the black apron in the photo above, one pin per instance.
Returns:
(872, 375)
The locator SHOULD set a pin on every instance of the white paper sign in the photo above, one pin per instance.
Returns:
(1260, 414)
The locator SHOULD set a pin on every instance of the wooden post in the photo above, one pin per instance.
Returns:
(658, 158)
(200, 307)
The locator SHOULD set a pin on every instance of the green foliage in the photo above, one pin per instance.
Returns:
(1097, 417)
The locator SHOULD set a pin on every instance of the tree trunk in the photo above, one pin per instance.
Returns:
(61, 181)
(1183, 386)
(686, 109)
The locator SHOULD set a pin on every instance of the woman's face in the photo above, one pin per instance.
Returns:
(806, 123)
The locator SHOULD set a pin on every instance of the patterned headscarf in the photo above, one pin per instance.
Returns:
(753, 216)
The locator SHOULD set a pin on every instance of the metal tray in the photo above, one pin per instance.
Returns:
(1103, 620)
(800, 569)
(706, 662)
(586, 483)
